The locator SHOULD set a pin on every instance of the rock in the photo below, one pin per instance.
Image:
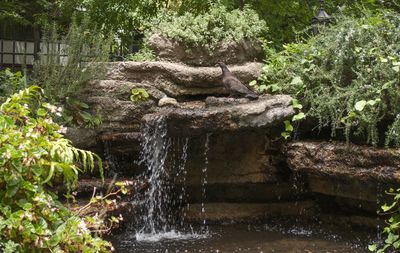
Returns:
(243, 192)
(176, 79)
(232, 53)
(82, 137)
(345, 161)
(166, 101)
(350, 221)
(191, 119)
(248, 212)
(346, 171)
(216, 101)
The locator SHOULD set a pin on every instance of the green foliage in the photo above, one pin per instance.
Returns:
(145, 54)
(347, 77)
(77, 113)
(392, 230)
(139, 95)
(297, 117)
(62, 76)
(209, 29)
(33, 154)
(11, 82)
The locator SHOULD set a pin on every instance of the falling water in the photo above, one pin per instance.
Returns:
(160, 208)
(155, 147)
(204, 183)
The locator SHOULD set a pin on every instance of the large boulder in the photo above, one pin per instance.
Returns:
(177, 79)
(346, 171)
(232, 53)
(226, 114)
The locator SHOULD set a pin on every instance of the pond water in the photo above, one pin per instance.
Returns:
(248, 238)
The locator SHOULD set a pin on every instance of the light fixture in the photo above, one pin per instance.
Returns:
(322, 18)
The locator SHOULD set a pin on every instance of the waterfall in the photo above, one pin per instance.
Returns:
(160, 209)
(154, 216)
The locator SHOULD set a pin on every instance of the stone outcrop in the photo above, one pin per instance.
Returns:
(234, 52)
(175, 79)
(181, 93)
(159, 79)
(226, 114)
(356, 176)
(342, 161)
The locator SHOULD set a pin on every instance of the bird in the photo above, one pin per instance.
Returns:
(235, 87)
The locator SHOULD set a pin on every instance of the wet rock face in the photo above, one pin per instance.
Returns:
(360, 173)
(344, 161)
(235, 52)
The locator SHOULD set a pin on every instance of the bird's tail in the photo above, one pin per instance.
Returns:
(252, 96)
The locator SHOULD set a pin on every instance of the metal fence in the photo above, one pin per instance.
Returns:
(17, 55)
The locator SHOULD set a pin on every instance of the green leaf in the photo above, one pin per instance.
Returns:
(296, 104)
(391, 238)
(262, 88)
(253, 83)
(386, 208)
(288, 126)
(396, 68)
(359, 106)
(27, 206)
(298, 116)
(285, 135)
(296, 80)
(41, 112)
(372, 247)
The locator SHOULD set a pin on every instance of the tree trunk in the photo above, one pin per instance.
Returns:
(241, 4)
(36, 42)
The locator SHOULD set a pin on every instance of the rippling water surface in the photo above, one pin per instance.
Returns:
(244, 238)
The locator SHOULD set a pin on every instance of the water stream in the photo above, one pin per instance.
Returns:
(160, 210)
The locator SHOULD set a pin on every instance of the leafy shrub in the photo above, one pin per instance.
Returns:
(209, 29)
(145, 54)
(63, 73)
(11, 82)
(347, 77)
(76, 113)
(33, 154)
(392, 241)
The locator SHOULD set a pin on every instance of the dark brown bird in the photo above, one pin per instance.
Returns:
(235, 87)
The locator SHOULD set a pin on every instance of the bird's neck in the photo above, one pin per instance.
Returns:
(225, 70)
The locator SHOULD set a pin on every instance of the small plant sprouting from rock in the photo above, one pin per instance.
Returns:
(298, 117)
(139, 95)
